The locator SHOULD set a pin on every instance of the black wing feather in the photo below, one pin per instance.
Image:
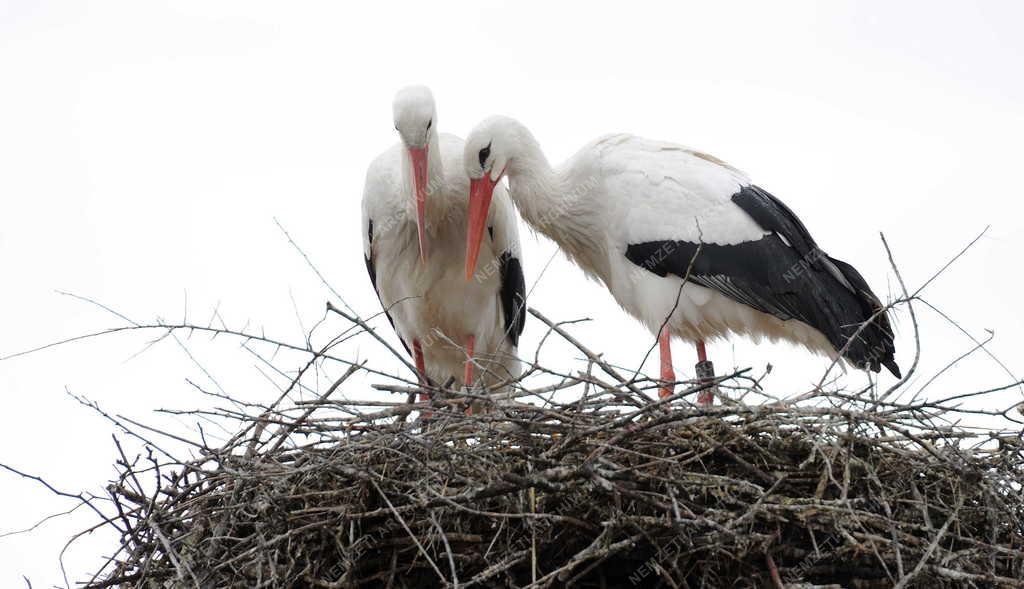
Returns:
(372, 271)
(513, 296)
(784, 274)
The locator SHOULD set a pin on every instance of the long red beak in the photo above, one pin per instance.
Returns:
(419, 172)
(480, 192)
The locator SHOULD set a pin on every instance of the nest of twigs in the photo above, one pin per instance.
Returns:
(609, 491)
(566, 479)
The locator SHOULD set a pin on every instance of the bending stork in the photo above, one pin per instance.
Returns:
(414, 219)
(684, 242)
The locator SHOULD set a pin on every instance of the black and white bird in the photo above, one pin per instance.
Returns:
(414, 226)
(684, 242)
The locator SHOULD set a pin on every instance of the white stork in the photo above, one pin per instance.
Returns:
(684, 242)
(414, 219)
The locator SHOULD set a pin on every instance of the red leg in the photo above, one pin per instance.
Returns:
(421, 368)
(705, 371)
(467, 378)
(702, 352)
(667, 374)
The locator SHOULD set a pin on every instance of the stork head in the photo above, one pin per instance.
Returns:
(416, 120)
(489, 150)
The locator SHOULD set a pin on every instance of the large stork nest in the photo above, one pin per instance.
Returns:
(568, 478)
(610, 489)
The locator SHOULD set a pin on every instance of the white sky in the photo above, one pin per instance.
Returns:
(146, 147)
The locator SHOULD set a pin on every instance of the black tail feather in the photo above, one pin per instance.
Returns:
(874, 346)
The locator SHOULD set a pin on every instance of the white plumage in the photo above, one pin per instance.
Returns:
(433, 308)
(668, 192)
(640, 215)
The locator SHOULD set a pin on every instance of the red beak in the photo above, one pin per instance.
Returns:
(480, 192)
(419, 172)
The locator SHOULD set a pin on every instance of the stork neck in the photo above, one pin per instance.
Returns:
(554, 205)
(534, 187)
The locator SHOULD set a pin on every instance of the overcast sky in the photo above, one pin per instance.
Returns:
(147, 147)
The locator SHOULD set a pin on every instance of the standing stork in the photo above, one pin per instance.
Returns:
(414, 219)
(684, 242)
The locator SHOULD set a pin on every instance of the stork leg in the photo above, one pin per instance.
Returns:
(421, 369)
(467, 378)
(705, 372)
(668, 375)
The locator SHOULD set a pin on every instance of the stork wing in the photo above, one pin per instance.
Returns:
(779, 271)
(371, 269)
(504, 233)
(381, 177)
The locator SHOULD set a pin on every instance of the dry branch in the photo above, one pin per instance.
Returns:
(829, 488)
(593, 494)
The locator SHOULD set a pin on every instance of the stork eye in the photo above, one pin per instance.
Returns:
(484, 154)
